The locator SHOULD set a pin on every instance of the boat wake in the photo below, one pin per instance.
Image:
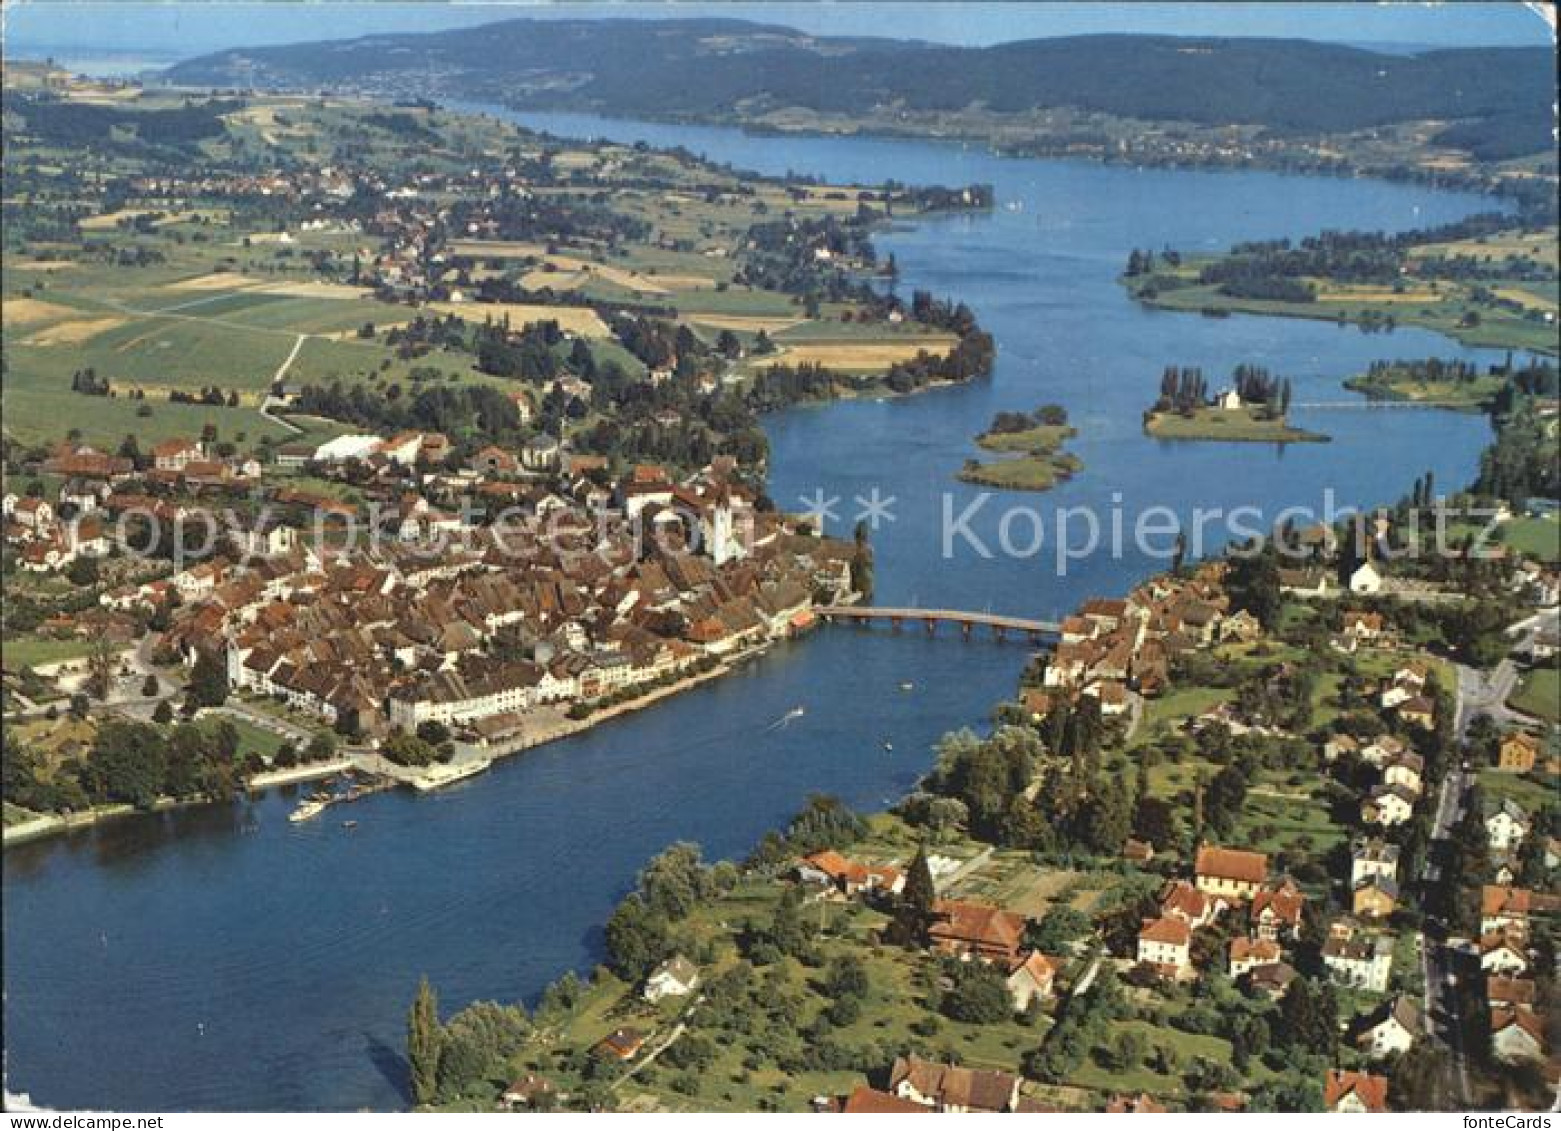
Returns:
(787, 719)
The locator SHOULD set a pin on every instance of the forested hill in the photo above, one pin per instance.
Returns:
(721, 68)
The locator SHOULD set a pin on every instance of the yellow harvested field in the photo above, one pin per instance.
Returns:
(111, 219)
(30, 311)
(553, 280)
(497, 249)
(865, 356)
(74, 332)
(580, 320)
(42, 265)
(747, 323)
(678, 282)
(1368, 293)
(312, 288)
(570, 271)
(1525, 298)
(216, 281)
(290, 288)
(1530, 245)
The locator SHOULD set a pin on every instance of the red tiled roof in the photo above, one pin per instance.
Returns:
(870, 1101)
(1232, 864)
(1172, 931)
(1372, 1090)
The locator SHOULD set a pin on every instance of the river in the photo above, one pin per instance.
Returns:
(224, 959)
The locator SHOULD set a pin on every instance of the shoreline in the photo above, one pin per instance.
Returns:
(47, 825)
(1482, 186)
(429, 778)
(423, 779)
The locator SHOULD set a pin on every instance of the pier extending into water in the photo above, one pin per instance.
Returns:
(1037, 631)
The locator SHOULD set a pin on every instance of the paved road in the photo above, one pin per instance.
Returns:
(1442, 964)
(1485, 693)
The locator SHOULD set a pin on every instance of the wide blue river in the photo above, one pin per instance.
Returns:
(226, 959)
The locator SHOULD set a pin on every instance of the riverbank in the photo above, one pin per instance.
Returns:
(53, 824)
(553, 726)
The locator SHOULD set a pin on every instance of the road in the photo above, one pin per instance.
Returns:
(1441, 962)
(1485, 693)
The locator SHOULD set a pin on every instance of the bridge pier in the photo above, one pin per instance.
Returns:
(964, 628)
(930, 625)
(895, 623)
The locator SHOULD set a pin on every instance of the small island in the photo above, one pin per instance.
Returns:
(1252, 410)
(1030, 445)
(1450, 382)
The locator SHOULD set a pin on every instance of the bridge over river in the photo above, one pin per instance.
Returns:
(1001, 626)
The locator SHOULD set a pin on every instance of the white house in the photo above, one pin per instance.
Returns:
(1382, 749)
(1500, 955)
(1363, 962)
(676, 977)
(1372, 857)
(1366, 580)
(1389, 1029)
(1404, 771)
(1166, 943)
(1032, 979)
(1506, 826)
(1388, 805)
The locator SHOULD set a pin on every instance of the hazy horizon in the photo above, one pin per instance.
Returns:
(167, 32)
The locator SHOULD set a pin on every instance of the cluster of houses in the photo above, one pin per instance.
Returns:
(50, 536)
(550, 609)
(583, 588)
(1507, 958)
(1113, 646)
(1226, 881)
(962, 929)
(96, 488)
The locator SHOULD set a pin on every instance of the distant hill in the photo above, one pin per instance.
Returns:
(712, 69)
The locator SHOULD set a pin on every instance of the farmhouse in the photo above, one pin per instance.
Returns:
(951, 1088)
(1230, 872)
(1517, 1036)
(1166, 945)
(975, 930)
(1249, 954)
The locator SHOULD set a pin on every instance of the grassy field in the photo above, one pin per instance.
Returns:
(1241, 425)
(1538, 537)
(1451, 394)
(30, 651)
(1532, 792)
(1540, 694)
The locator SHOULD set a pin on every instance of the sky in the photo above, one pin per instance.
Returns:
(165, 31)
